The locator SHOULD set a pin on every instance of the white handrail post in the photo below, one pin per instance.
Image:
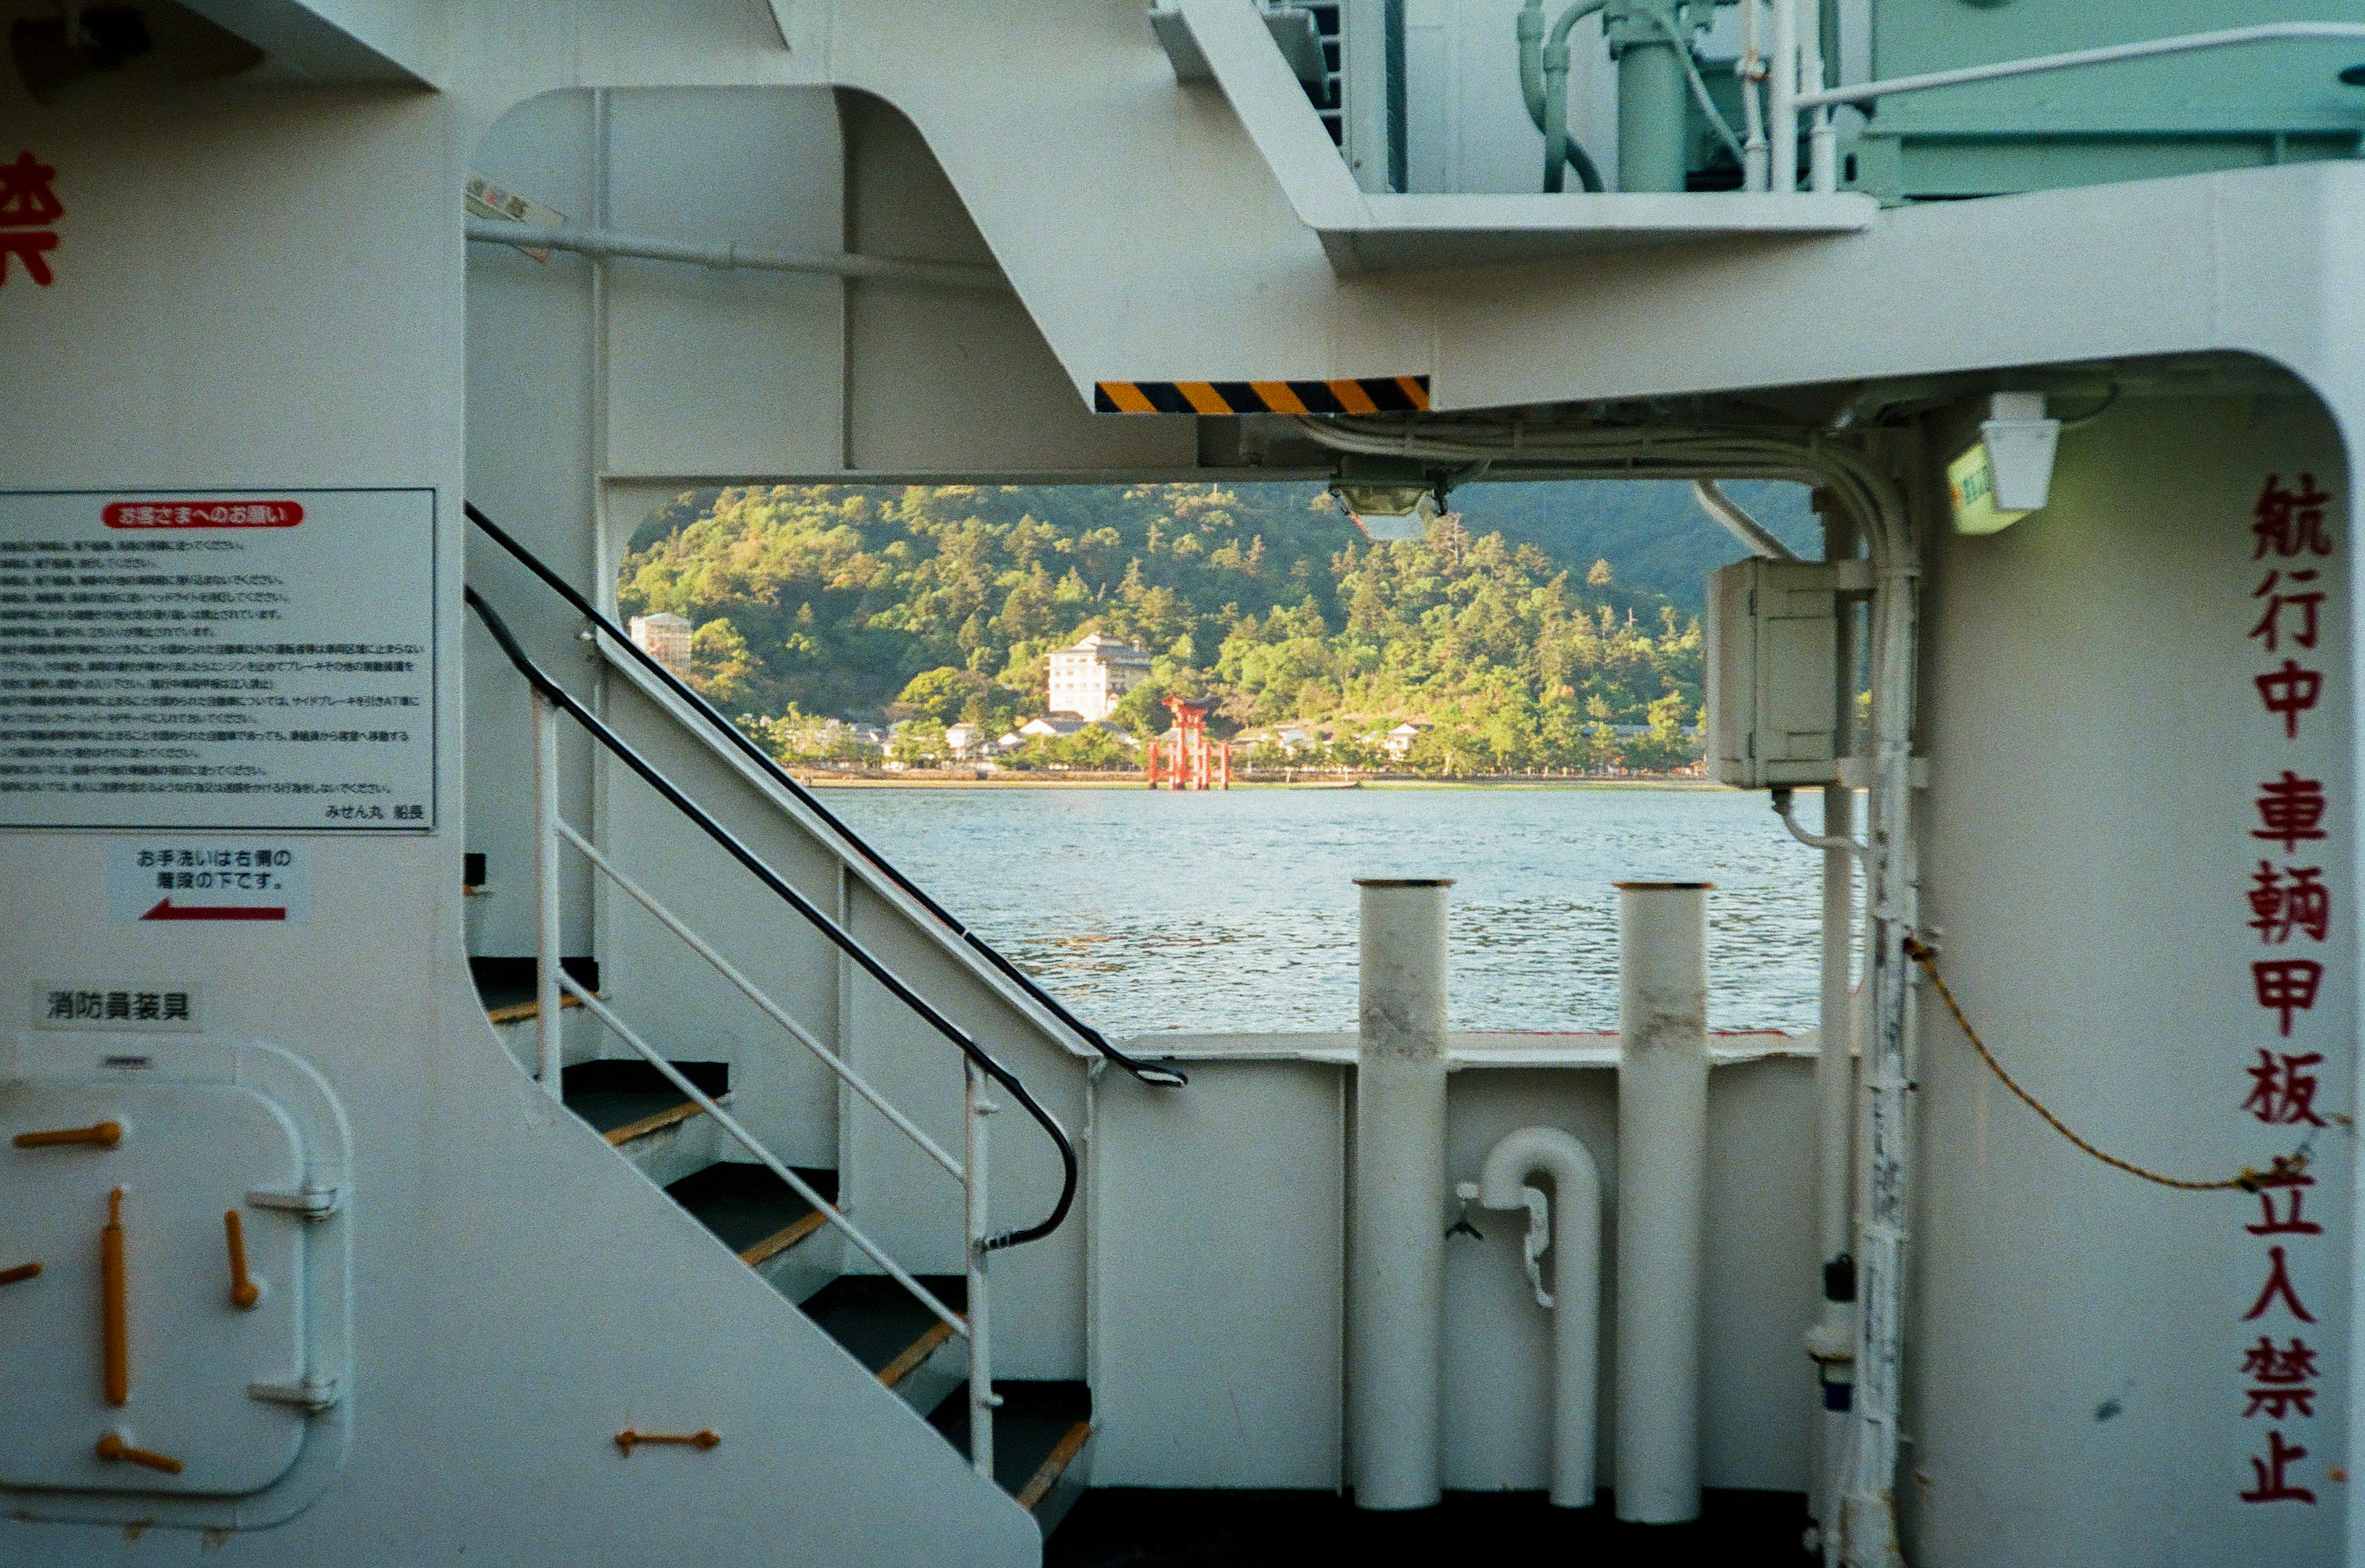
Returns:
(1782, 107)
(980, 1359)
(1823, 138)
(546, 940)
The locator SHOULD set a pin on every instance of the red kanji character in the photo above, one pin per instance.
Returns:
(2272, 1486)
(2270, 625)
(27, 206)
(2287, 986)
(2304, 904)
(2278, 1284)
(2294, 1364)
(2292, 808)
(2282, 1089)
(2289, 523)
(2284, 1178)
(2280, 1404)
(2290, 691)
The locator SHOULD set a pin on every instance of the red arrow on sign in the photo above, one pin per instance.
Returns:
(166, 910)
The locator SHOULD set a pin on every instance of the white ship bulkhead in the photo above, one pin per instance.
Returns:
(2132, 815)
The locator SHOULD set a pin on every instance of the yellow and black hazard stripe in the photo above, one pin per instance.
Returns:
(1363, 395)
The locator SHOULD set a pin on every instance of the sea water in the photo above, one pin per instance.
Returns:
(1148, 912)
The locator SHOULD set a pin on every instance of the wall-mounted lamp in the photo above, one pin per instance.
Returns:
(2009, 474)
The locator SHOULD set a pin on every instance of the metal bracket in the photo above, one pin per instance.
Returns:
(307, 1202)
(313, 1394)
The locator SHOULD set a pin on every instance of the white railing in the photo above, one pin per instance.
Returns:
(551, 982)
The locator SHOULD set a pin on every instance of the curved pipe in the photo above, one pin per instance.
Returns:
(1575, 1298)
(1538, 76)
(1752, 533)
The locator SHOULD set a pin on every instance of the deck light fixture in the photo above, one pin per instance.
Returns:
(1391, 500)
(2008, 473)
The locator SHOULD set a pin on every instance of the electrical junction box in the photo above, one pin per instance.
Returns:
(174, 1281)
(1773, 673)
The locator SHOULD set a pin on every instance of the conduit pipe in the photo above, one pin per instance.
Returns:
(1752, 534)
(1574, 1299)
(1548, 107)
(1850, 470)
(604, 244)
(1661, 1196)
(1396, 1286)
(1831, 1338)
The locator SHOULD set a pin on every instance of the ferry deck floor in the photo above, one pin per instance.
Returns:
(1137, 1527)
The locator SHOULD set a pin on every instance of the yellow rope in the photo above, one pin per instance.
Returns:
(2285, 1165)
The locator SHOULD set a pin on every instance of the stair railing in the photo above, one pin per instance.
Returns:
(552, 983)
(1157, 1074)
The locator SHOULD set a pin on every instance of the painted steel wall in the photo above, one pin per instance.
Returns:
(2097, 747)
(1219, 1241)
(264, 289)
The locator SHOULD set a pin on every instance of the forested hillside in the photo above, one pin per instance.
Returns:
(1523, 647)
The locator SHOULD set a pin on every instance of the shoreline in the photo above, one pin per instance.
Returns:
(969, 780)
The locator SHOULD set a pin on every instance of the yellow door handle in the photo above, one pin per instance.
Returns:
(99, 1135)
(113, 1307)
(115, 1451)
(21, 1273)
(243, 1292)
(628, 1439)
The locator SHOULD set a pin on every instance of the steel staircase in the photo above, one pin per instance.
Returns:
(926, 1337)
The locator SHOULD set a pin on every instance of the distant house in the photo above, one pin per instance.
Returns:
(1399, 741)
(1291, 738)
(1053, 723)
(966, 739)
(1056, 724)
(1092, 677)
(664, 636)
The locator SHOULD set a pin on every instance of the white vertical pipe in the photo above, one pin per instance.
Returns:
(1832, 1338)
(982, 1399)
(1661, 1196)
(1397, 1283)
(1575, 1289)
(1782, 94)
(548, 1020)
(1822, 141)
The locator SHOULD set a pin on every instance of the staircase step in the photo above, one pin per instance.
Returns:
(618, 1096)
(747, 1205)
(1041, 1435)
(878, 1320)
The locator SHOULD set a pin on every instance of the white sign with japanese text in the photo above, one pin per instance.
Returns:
(242, 882)
(253, 659)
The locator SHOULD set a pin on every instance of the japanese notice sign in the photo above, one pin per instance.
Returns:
(257, 880)
(107, 1002)
(217, 660)
(2288, 906)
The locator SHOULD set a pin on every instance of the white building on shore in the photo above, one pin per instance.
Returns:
(1093, 677)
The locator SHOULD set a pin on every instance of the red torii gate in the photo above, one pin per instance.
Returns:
(1184, 758)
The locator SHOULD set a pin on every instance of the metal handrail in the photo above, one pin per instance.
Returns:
(755, 994)
(1148, 1072)
(764, 1156)
(877, 971)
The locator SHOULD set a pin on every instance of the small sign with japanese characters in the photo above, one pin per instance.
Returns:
(130, 1006)
(160, 880)
(225, 660)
